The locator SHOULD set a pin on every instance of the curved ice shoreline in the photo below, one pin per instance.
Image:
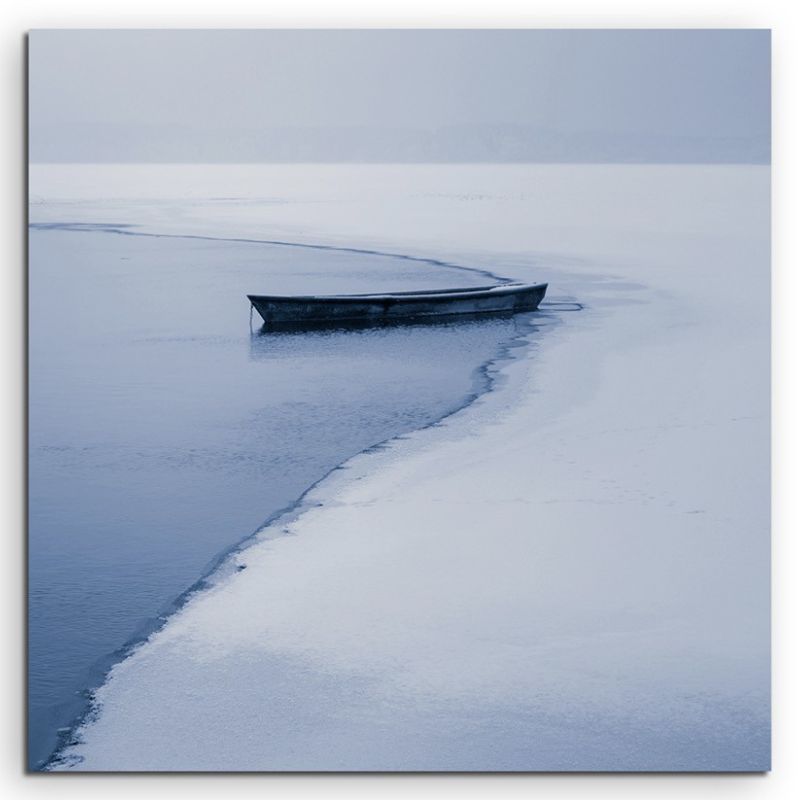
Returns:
(479, 384)
(129, 229)
(226, 564)
(321, 495)
(425, 613)
(572, 574)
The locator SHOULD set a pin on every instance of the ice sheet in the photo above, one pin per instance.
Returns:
(572, 573)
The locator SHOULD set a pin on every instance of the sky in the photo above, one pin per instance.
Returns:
(405, 95)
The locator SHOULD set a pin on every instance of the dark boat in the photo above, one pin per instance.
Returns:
(310, 311)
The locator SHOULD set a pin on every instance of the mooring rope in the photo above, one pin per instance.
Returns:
(553, 303)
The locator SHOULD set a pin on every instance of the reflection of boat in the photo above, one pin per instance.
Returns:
(374, 309)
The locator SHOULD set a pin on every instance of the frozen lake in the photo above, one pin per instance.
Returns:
(163, 432)
(571, 573)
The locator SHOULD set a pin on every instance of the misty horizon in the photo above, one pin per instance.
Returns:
(405, 96)
(454, 144)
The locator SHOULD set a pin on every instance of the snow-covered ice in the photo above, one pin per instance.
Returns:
(571, 573)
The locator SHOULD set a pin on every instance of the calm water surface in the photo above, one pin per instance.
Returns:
(162, 432)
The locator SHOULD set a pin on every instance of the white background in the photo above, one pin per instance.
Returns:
(784, 781)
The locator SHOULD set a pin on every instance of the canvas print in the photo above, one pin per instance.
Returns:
(399, 400)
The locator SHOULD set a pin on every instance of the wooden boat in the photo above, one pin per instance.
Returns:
(304, 311)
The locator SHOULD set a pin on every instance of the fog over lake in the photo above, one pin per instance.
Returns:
(400, 96)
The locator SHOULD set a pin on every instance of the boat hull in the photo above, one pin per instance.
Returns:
(398, 307)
